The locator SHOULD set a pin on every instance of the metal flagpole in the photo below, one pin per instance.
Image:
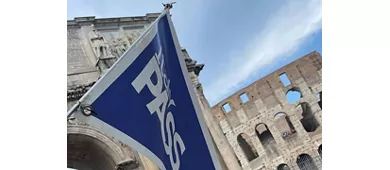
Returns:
(167, 7)
(74, 107)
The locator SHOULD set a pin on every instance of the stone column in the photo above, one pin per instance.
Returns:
(258, 145)
(239, 152)
(281, 144)
(276, 134)
(317, 112)
(302, 134)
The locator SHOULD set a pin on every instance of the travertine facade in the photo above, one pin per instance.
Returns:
(265, 130)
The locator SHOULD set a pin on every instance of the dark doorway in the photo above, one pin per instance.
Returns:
(247, 146)
(305, 162)
(308, 120)
(283, 167)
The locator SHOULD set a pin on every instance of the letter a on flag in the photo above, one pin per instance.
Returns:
(147, 101)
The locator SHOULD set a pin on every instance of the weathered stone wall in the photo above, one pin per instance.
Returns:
(117, 34)
(267, 97)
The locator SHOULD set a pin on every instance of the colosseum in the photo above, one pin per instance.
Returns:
(256, 128)
(269, 129)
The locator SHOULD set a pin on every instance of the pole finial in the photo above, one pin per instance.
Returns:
(168, 5)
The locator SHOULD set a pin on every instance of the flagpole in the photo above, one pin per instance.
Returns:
(74, 107)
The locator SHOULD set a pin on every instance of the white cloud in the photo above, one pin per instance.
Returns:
(284, 32)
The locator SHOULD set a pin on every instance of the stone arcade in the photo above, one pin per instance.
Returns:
(265, 129)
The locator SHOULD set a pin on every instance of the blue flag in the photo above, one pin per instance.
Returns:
(146, 100)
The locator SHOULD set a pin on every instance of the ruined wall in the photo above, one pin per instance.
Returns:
(279, 131)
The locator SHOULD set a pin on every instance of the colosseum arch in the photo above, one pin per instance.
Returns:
(267, 140)
(305, 162)
(309, 122)
(283, 124)
(89, 149)
(320, 150)
(244, 141)
(283, 166)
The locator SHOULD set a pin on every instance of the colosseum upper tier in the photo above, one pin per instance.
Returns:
(269, 129)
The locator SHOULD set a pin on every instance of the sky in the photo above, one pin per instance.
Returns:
(239, 42)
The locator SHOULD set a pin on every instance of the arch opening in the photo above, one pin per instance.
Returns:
(308, 119)
(267, 140)
(247, 146)
(293, 95)
(319, 97)
(320, 150)
(305, 162)
(283, 167)
(88, 153)
(89, 149)
(284, 125)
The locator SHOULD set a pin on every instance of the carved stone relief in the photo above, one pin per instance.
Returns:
(117, 46)
(108, 50)
(98, 43)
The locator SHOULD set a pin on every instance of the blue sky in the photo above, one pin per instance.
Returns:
(239, 42)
